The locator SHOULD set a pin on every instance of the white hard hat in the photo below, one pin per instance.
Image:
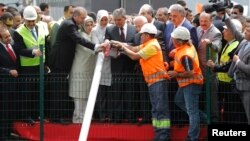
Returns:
(29, 13)
(148, 28)
(181, 33)
(237, 25)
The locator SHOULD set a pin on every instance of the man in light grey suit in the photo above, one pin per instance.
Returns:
(209, 37)
(240, 70)
(209, 40)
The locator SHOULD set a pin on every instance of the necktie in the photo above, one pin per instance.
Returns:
(122, 35)
(201, 34)
(34, 34)
(11, 53)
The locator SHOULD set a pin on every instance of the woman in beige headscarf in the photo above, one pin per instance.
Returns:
(82, 73)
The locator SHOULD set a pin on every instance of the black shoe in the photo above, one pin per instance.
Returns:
(61, 121)
(105, 120)
(132, 121)
(116, 121)
(30, 121)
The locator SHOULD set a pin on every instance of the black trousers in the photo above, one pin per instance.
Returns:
(60, 104)
(8, 104)
(230, 105)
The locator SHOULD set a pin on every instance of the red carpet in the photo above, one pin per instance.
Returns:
(98, 132)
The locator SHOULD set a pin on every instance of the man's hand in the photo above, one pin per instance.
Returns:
(117, 44)
(37, 52)
(210, 64)
(166, 65)
(172, 53)
(14, 73)
(103, 46)
(107, 41)
(205, 42)
(235, 58)
(172, 74)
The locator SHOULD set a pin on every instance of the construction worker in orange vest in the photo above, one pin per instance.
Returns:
(189, 77)
(155, 74)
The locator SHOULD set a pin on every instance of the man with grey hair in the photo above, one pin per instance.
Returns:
(162, 14)
(63, 54)
(121, 105)
(177, 15)
(147, 11)
(139, 21)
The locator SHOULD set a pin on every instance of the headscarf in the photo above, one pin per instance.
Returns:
(86, 20)
(100, 15)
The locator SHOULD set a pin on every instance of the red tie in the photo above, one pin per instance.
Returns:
(11, 53)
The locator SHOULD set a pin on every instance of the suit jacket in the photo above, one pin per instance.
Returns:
(23, 50)
(122, 63)
(64, 51)
(242, 70)
(215, 36)
(169, 29)
(28, 52)
(160, 25)
(6, 63)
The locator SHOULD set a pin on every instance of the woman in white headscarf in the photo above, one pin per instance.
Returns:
(98, 36)
(82, 72)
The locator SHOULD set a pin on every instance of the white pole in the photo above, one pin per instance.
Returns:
(92, 98)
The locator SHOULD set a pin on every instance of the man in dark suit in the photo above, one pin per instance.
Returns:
(66, 40)
(9, 68)
(177, 14)
(29, 37)
(120, 67)
(62, 58)
(147, 11)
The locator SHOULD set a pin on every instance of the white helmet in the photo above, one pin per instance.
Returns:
(29, 13)
(237, 25)
(181, 33)
(148, 28)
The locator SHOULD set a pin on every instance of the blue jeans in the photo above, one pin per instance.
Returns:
(158, 93)
(187, 98)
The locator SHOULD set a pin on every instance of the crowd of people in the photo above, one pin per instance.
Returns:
(172, 46)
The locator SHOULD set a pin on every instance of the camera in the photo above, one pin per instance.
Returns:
(217, 5)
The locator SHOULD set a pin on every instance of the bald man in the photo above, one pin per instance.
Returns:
(209, 37)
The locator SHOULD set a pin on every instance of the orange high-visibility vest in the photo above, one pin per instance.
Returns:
(153, 68)
(189, 51)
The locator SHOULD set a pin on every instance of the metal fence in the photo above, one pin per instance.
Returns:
(29, 99)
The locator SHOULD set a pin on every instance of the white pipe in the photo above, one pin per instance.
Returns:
(92, 98)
